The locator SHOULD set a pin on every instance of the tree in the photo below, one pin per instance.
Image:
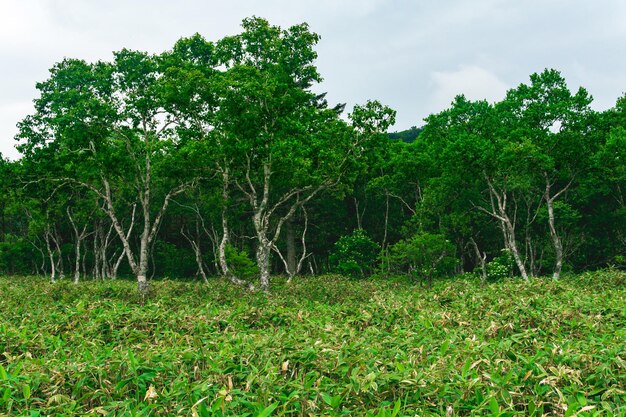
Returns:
(110, 131)
(552, 123)
(471, 168)
(280, 146)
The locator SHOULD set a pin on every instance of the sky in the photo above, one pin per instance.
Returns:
(413, 55)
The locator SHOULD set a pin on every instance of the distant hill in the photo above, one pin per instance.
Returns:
(407, 136)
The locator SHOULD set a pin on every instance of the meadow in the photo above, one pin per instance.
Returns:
(323, 346)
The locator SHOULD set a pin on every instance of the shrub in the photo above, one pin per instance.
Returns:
(501, 266)
(423, 255)
(240, 263)
(355, 254)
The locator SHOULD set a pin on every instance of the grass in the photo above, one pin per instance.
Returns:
(324, 346)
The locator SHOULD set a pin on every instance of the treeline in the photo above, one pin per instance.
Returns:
(217, 158)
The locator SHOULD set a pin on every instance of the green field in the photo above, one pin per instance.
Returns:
(324, 346)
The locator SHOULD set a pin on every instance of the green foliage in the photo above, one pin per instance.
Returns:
(422, 256)
(355, 254)
(322, 346)
(234, 133)
(16, 255)
(173, 261)
(240, 263)
(501, 266)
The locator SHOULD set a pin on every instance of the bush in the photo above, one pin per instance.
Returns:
(355, 254)
(240, 263)
(501, 266)
(423, 255)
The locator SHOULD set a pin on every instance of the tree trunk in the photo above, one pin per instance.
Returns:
(263, 262)
(294, 270)
(223, 262)
(101, 243)
(144, 258)
(359, 214)
(77, 262)
(116, 266)
(53, 273)
(507, 225)
(481, 257)
(59, 262)
(267, 230)
(97, 243)
(197, 250)
(79, 236)
(514, 250)
(200, 265)
(556, 240)
(558, 245)
(291, 247)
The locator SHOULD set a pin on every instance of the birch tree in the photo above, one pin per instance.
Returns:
(112, 133)
(271, 139)
(552, 124)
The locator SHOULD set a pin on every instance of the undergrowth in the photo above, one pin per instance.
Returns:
(326, 346)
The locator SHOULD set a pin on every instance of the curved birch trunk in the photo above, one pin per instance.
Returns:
(507, 225)
(556, 239)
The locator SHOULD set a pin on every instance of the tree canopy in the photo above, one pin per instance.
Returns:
(220, 158)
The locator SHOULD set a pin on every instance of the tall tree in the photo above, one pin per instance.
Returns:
(552, 124)
(276, 143)
(111, 132)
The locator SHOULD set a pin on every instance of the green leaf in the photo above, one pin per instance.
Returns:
(132, 361)
(204, 411)
(267, 410)
(494, 407)
(6, 395)
(396, 408)
(26, 391)
(444, 347)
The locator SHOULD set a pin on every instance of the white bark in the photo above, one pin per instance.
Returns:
(53, 273)
(97, 252)
(59, 261)
(195, 245)
(79, 237)
(556, 239)
(223, 262)
(292, 268)
(507, 224)
(481, 257)
(267, 224)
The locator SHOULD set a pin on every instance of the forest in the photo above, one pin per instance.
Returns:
(200, 232)
(218, 158)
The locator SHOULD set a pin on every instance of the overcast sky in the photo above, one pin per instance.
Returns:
(413, 55)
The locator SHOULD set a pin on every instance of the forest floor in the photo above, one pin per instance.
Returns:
(325, 346)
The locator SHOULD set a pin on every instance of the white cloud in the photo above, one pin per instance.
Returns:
(474, 82)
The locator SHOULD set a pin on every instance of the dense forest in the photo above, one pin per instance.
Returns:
(221, 159)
